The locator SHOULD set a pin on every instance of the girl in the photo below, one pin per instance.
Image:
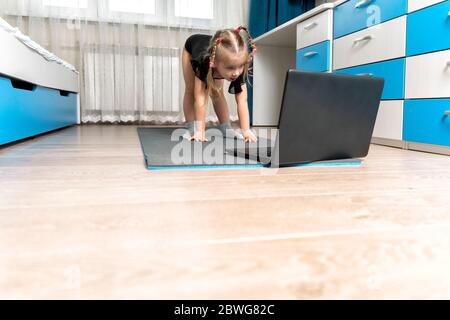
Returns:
(208, 61)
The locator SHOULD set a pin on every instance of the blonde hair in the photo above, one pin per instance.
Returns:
(229, 40)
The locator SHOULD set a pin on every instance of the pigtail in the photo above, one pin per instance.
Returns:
(250, 39)
(251, 43)
(212, 88)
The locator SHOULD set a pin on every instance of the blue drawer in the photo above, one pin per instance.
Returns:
(392, 71)
(355, 15)
(33, 110)
(314, 58)
(425, 121)
(428, 30)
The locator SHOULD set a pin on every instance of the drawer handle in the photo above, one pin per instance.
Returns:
(365, 74)
(369, 37)
(311, 25)
(310, 54)
(362, 3)
(22, 85)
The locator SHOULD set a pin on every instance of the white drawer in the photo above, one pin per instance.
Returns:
(314, 30)
(414, 5)
(428, 76)
(378, 43)
(389, 124)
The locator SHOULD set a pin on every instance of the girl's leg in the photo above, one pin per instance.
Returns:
(223, 113)
(220, 104)
(189, 80)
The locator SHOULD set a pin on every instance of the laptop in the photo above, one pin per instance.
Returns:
(323, 117)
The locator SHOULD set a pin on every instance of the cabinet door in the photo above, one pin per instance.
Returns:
(384, 42)
(389, 124)
(355, 15)
(393, 73)
(315, 30)
(314, 58)
(428, 76)
(428, 30)
(427, 121)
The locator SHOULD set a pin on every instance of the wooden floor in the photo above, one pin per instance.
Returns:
(81, 217)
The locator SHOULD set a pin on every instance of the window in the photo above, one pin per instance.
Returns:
(133, 6)
(73, 9)
(178, 13)
(198, 9)
(82, 4)
(192, 13)
(149, 12)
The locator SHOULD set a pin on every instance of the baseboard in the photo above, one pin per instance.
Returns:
(389, 142)
(430, 148)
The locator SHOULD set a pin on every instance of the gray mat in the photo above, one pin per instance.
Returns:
(165, 148)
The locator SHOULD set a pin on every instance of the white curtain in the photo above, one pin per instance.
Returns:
(128, 52)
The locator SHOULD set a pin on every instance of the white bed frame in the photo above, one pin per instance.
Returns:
(20, 62)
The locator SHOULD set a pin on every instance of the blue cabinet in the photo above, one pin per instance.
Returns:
(30, 110)
(355, 15)
(392, 71)
(314, 58)
(428, 30)
(427, 121)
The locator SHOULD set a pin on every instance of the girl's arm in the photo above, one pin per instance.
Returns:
(200, 102)
(244, 115)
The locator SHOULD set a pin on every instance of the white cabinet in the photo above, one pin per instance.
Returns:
(378, 43)
(416, 31)
(428, 76)
(269, 84)
(315, 30)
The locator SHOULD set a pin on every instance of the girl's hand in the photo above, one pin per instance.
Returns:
(249, 136)
(199, 136)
